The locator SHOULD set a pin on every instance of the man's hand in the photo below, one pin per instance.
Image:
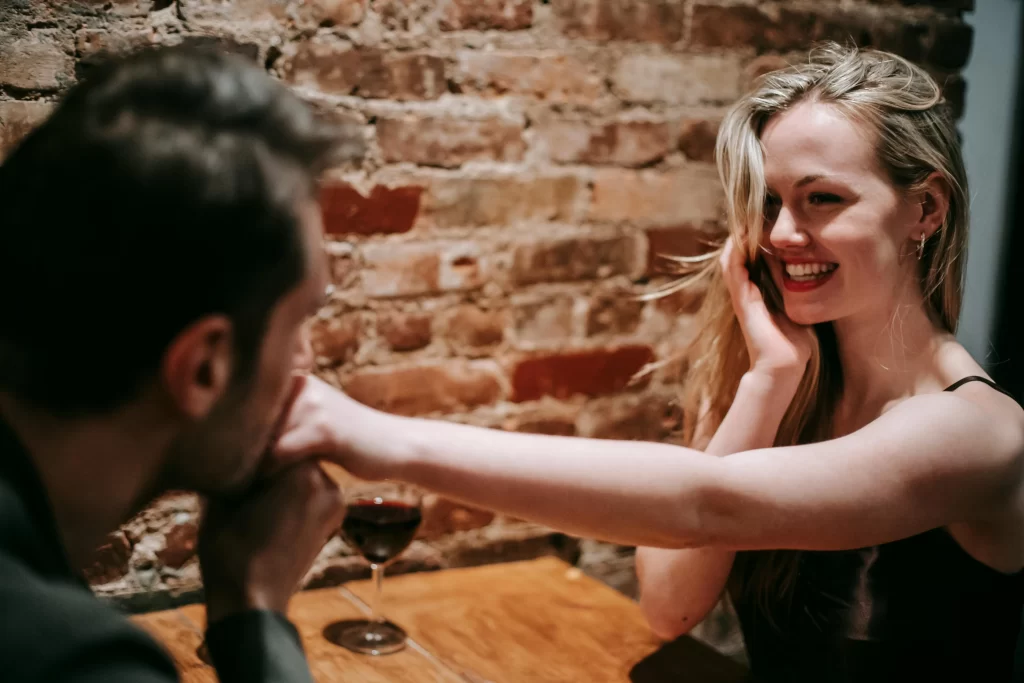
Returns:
(255, 550)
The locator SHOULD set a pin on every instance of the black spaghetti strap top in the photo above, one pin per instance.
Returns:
(918, 609)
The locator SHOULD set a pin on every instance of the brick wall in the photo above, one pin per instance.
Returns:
(516, 165)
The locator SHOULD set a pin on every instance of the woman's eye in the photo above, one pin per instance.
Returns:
(818, 198)
(771, 207)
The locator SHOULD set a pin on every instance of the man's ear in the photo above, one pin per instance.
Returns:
(197, 366)
(932, 205)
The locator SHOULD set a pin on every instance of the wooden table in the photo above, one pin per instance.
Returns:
(538, 621)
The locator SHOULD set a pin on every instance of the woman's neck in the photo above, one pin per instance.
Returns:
(887, 354)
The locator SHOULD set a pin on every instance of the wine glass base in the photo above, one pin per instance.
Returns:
(366, 637)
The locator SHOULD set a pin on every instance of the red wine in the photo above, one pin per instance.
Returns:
(381, 530)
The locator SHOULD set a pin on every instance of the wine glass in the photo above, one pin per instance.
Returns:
(380, 522)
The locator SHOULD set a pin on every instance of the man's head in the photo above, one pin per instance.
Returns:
(158, 244)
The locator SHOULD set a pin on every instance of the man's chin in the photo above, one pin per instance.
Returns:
(240, 480)
(247, 477)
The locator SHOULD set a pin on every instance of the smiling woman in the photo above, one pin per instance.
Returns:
(839, 175)
(830, 201)
(846, 185)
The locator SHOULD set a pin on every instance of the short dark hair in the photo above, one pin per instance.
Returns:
(162, 189)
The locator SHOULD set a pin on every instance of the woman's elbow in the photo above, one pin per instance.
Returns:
(664, 623)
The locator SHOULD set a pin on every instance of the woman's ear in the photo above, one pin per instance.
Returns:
(931, 204)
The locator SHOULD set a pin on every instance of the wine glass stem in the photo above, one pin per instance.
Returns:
(376, 611)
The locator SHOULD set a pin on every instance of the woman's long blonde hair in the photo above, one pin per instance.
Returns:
(916, 136)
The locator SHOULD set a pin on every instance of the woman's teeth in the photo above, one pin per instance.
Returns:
(809, 271)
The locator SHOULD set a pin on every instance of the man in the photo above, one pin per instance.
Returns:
(159, 254)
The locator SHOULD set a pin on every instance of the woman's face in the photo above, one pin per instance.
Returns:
(837, 228)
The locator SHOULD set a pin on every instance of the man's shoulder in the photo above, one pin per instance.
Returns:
(50, 625)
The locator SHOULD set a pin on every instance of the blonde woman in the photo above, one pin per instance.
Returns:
(869, 512)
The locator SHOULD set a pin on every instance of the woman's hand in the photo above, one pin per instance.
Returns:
(777, 346)
(325, 424)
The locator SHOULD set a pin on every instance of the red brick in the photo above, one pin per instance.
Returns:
(655, 198)
(314, 13)
(449, 142)
(92, 44)
(574, 258)
(109, 562)
(345, 268)
(336, 340)
(552, 425)
(454, 200)
(404, 331)
(507, 15)
(697, 139)
(414, 269)
(547, 417)
(656, 21)
(180, 545)
(427, 388)
(33, 64)
(217, 14)
(462, 268)
(678, 240)
(748, 26)
(617, 313)
(103, 3)
(622, 143)
(18, 119)
(472, 327)
(550, 76)
(442, 517)
(401, 270)
(945, 42)
(350, 123)
(650, 419)
(592, 373)
(387, 210)
(403, 15)
(678, 79)
(544, 320)
(224, 43)
(121, 8)
(367, 72)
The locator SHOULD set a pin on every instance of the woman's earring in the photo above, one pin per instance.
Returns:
(920, 247)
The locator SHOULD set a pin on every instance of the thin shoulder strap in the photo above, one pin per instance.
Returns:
(975, 378)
